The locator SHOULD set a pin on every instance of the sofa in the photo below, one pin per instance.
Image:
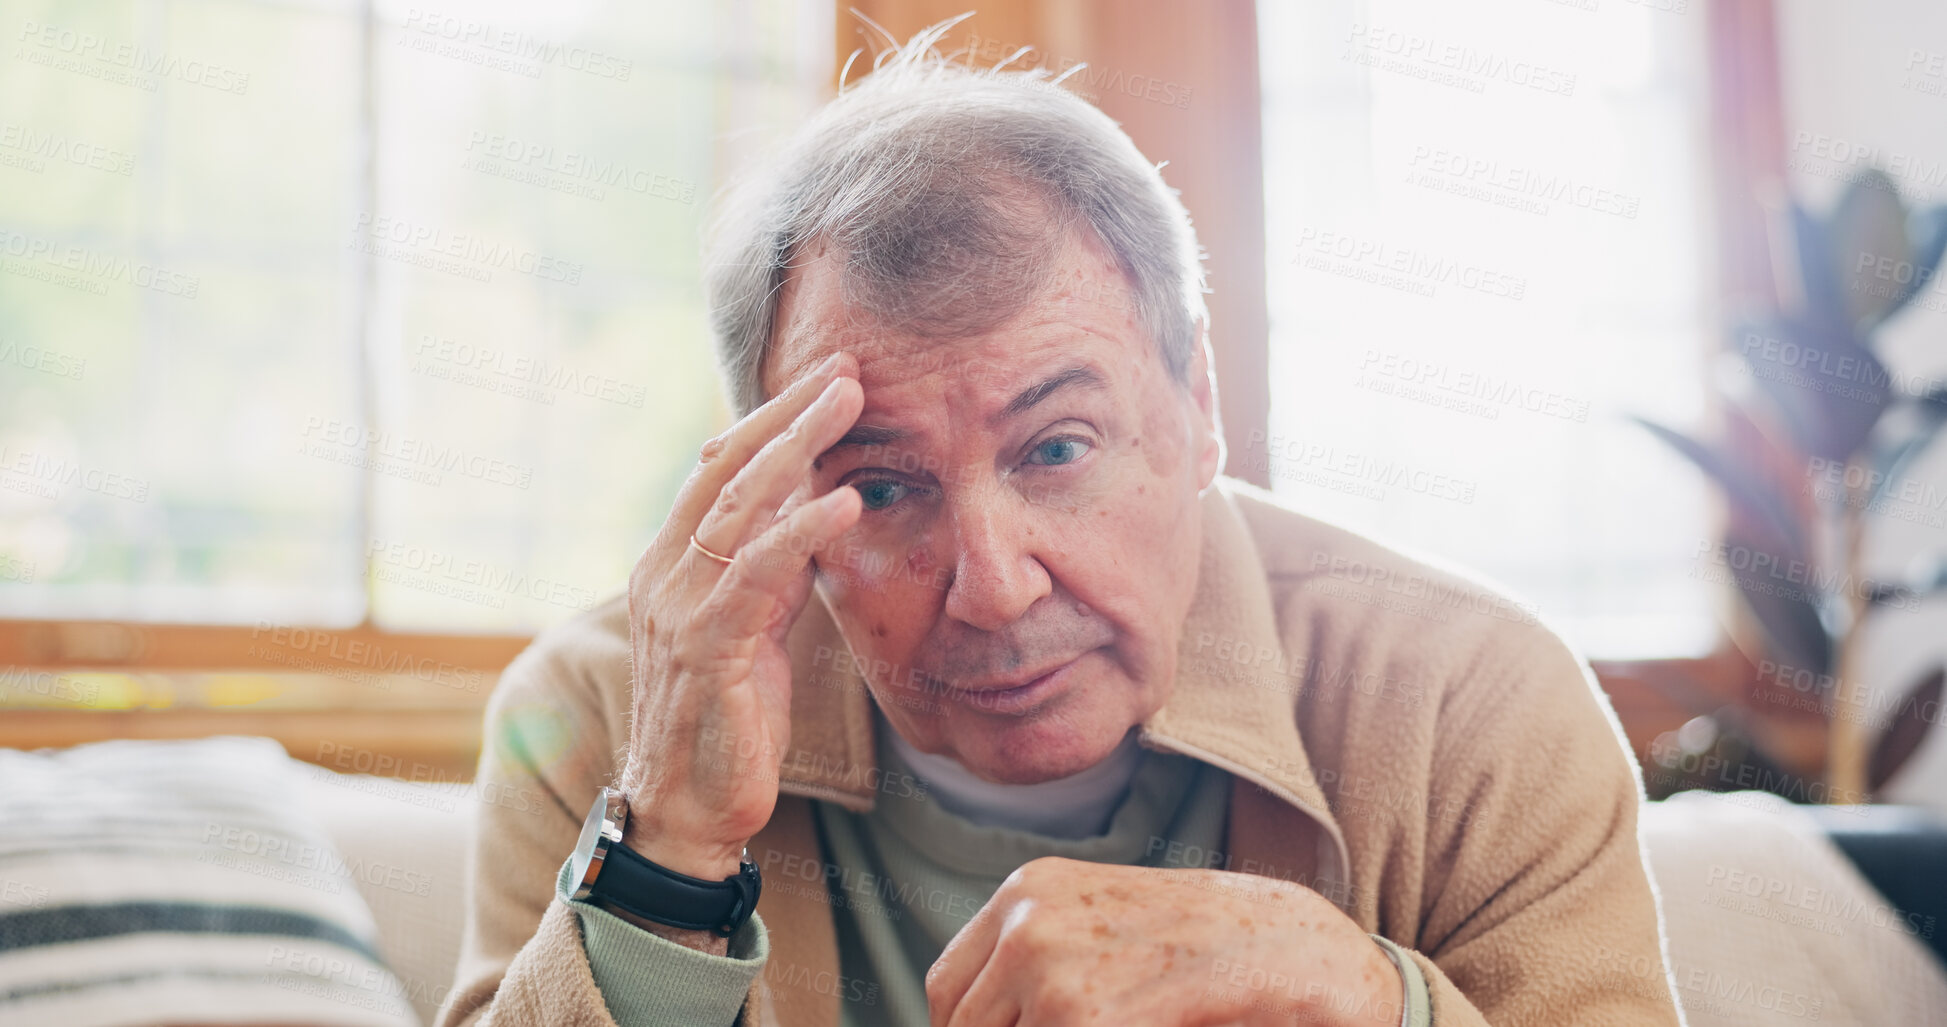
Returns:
(1768, 920)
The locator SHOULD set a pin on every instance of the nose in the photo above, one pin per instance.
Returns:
(996, 575)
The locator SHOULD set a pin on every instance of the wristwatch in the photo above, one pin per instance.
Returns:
(605, 870)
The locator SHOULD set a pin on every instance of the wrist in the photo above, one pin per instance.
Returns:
(668, 849)
(1389, 1006)
(680, 886)
(702, 941)
(1371, 992)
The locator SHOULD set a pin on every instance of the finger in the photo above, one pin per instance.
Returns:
(960, 964)
(767, 569)
(749, 502)
(798, 591)
(993, 1000)
(723, 456)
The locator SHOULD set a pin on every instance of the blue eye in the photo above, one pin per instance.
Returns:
(1056, 451)
(880, 494)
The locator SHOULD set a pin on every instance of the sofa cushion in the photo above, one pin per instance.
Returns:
(169, 882)
(1769, 923)
(410, 840)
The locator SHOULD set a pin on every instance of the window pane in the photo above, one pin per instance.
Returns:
(540, 340)
(1487, 246)
(170, 177)
(268, 347)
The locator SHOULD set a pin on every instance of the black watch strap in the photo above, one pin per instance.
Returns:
(635, 885)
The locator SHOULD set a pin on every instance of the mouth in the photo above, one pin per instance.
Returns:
(1019, 694)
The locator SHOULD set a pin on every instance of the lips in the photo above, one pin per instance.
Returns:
(1017, 694)
(1013, 683)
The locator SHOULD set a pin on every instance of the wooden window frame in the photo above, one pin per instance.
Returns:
(1211, 50)
(425, 720)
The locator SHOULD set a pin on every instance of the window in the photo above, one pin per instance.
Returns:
(1488, 244)
(321, 312)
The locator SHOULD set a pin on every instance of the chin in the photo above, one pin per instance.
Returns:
(1038, 767)
(1067, 735)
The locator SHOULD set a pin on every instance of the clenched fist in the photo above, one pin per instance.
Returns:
(1071, 944)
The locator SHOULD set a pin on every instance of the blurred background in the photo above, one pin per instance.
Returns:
(346, 344)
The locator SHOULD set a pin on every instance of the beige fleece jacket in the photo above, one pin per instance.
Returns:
(1407, 742)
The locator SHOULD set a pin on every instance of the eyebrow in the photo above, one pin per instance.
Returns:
(1086, 377)
(866, 435)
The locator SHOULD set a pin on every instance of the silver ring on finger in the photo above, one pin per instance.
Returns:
(711, 553)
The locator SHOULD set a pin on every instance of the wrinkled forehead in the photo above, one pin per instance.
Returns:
(1085, 295)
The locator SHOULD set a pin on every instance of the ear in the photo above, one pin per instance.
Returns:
(1209, 429)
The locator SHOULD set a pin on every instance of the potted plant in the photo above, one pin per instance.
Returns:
(1817, 437)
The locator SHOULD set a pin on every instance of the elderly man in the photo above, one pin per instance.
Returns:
(1073, 731)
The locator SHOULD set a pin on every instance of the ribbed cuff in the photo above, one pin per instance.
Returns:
(1417, 1008)
(646, 979)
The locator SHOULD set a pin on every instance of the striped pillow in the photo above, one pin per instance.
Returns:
(166, 882)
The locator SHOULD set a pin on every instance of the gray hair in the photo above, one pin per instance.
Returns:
(915, 176)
